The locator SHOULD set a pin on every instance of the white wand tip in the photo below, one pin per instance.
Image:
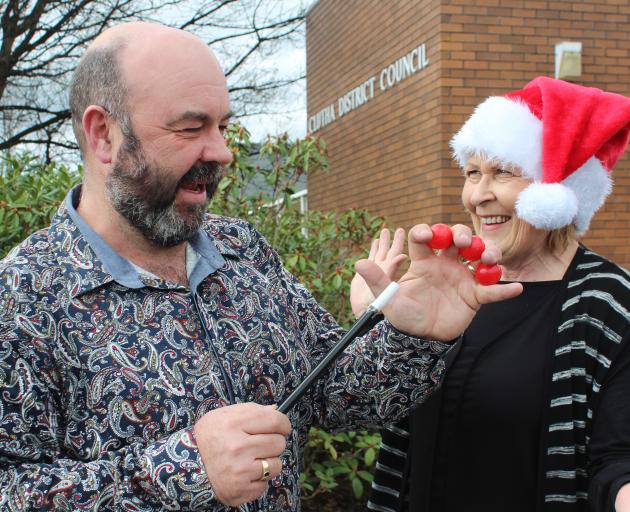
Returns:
(385, 296)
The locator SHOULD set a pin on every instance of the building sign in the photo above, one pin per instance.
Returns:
(390, 76)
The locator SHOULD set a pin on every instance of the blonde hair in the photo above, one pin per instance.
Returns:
(557, 240)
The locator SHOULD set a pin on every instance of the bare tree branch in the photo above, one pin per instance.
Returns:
(204, 15)
(41, 41)
(62, 116)
(268, 86)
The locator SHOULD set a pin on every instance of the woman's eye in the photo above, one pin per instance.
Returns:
(503, 172)
(472, 174)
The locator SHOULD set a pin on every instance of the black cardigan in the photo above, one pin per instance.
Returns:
(589, 364)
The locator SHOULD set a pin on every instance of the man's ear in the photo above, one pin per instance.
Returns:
(98, 128)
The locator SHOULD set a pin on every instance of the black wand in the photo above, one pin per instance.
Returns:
(371, 311)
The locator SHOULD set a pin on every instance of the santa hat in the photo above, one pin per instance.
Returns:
(564, 137)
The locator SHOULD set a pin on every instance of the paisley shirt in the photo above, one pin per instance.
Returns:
(104, 369)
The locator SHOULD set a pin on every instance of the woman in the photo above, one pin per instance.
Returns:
(534, 412)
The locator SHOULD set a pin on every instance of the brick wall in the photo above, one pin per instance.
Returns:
(384, 155)
(391, 154)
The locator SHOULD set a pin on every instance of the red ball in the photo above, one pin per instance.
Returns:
(442, 237)
(488, 274)
(473, 252)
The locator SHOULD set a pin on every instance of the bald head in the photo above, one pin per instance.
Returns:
(135, 61)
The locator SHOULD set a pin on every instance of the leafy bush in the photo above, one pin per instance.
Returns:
(334, 459)
(30, 193)
(319, 247)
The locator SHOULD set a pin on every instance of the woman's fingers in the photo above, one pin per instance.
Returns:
(462, 236)
(419, 235)
(497, 292)
(383, 245)
(491, 255)
(398, 244)
(373, 275)
(373, 250)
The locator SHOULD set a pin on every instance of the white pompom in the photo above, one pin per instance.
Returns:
(547, 205)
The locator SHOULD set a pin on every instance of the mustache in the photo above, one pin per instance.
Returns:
(209, 173)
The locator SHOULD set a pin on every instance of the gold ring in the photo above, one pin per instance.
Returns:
(265, 474)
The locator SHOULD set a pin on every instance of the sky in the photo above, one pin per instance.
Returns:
(289, 60)
(293, 118)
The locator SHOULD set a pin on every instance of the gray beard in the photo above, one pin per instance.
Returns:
(144, 195)
(164, 227)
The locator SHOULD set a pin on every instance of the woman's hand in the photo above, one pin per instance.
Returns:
(438, 295)
(622, 502)
(388, 255)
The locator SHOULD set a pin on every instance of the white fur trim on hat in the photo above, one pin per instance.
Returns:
(547, 205)
(503, 130)
(574, 201)
(591, 184)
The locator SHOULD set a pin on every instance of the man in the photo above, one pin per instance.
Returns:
(143, 346)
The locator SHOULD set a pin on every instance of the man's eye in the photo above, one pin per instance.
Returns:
(504, 172)
(193, 129)
(472, 174)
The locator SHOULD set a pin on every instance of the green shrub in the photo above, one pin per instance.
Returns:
(319, 247)
(333, 458)
(30, 193)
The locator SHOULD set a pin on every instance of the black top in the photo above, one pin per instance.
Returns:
(579, 457)
(491, 407)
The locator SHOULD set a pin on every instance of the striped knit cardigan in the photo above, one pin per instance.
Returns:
(594, 328)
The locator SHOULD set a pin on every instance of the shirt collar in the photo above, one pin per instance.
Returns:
(121, 270)
(210, 259)
(112, 266)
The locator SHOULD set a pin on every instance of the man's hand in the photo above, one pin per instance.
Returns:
(232, 442)
(388, 255)
(438, 295)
